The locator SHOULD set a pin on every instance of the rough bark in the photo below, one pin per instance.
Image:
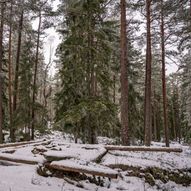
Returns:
(10, 72)
(124, 76)
(147, 116)
(173, 123)
(114, 87)
(144, 149)
(24, 143)
(164, 78)
(82, 170)
(9, 157)
(1, 74)
(16, 81)
(154, 115)
(177, 115)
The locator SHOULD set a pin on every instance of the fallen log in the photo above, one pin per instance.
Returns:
(7, 145)
(143, 149)
(58, 155)
(8, 163)
(83, 167)
(93, 154)
(20, 159)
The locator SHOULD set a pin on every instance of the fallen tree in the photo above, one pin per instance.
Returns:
(142, 149)
(39, 142)
(83, 167)
(20, 159)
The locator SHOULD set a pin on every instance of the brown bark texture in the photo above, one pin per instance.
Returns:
(124, 77)
(147, 114)
(164, 78)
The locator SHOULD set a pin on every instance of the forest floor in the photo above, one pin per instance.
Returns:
(136, 171)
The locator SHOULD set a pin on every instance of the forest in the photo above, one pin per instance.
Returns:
(128, 80)
(118, 74)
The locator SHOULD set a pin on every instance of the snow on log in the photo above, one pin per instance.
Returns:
(24, 143)
(150, 149)
(91, 153)
(58, 155)
(21, 159)
(84, 167)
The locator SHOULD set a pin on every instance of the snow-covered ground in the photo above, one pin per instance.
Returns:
(24, 177)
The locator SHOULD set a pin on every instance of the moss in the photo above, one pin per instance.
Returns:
(149, 179)
(180, 178)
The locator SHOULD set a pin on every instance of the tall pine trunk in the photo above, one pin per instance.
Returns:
(190, 10)
(154, 114)
(165, 117)
(114, 87)
(147, 115)
(16, 82)
(124, 77)
(174, 122)
(10, 72)
(35, 76)
(1, 71)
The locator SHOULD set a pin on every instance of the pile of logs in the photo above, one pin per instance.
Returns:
(69, 163)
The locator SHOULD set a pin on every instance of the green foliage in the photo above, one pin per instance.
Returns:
(85, 57)
(22, 116)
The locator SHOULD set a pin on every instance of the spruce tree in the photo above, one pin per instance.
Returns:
(84, 100)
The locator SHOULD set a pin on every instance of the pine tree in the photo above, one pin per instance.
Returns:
(43, 10)
(20, 30)
(164, 76)
(10, 71)
(1, 71)
(124, 77)
(147, 117)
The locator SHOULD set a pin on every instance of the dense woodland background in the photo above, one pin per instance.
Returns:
(111, 77)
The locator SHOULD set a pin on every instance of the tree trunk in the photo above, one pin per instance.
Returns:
(124, 77)
(10, 73)
(173, 123)
(190, 10)
(147, 116)
(141, 148)
(164, 78)
(45, 78)
(1, 72)
(35, 76)
(17, 69)
(114, 87)
(154, 115)
(177, 114)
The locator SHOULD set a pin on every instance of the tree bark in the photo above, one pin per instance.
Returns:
(173, 123)
(10, 72)
(114, 87)
(35, 76)
(154, 115)
(124, 77)
(1, 72)
(147, 116)
(177, 114)
(83, 169)
(165, 117)
(19, 159)
(17, 69)
(24, 143)
(141, 149)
